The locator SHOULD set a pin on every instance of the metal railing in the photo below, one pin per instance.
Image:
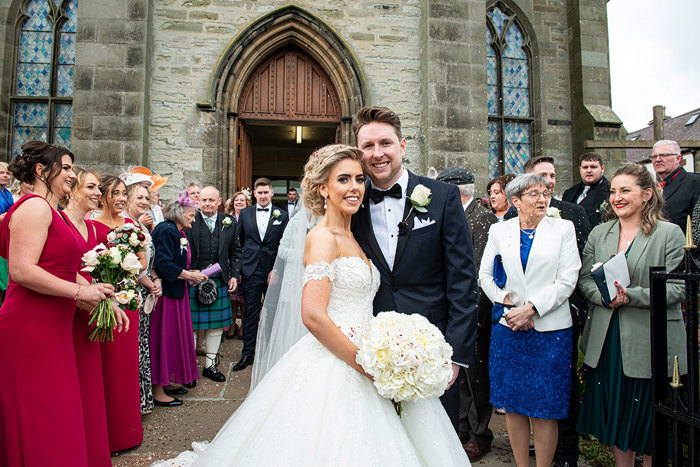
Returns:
(676, 408)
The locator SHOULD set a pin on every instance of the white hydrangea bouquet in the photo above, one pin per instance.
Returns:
(110, 265)
(406, 355)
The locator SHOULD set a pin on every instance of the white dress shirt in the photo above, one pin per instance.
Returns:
(385, 217)
(290, 208)
(262, 218)
(213, 219)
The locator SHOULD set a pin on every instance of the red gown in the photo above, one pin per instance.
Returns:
(120, 373)
(41, 413)
(89, 364)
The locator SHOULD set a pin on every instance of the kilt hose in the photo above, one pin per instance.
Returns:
(214, 316)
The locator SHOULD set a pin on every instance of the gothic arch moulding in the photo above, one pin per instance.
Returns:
(285, 27)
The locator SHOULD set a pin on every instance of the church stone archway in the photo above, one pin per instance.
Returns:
(333, 89)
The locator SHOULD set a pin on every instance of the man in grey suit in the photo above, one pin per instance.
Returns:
(474, 407)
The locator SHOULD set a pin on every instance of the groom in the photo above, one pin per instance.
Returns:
(419, 241)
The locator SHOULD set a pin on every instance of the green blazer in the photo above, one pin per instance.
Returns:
(664, 247)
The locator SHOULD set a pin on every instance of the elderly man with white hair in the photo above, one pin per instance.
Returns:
(681, 189)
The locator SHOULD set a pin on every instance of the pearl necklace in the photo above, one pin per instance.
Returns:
(530, 234)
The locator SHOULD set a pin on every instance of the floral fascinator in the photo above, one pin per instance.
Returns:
(183, 199)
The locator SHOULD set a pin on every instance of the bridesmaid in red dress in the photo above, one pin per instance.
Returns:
(120, 358)
(39, 428)
(85, 195)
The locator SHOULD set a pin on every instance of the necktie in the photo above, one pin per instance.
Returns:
(583, 195)
(263, 209)
(377, 196)
(210, 224)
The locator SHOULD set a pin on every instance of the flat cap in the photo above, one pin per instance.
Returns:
(456, 176)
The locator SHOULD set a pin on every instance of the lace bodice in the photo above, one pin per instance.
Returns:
(353, 287)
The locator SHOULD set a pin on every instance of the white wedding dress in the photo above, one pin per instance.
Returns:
(312, 409)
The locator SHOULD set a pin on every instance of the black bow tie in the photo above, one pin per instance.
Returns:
(377, 196)
(263, 209)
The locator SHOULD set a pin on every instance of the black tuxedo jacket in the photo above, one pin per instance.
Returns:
(256, 250)
(433, 272)
(597, 195)
(230, 250)
(680, 197)
(170, 258)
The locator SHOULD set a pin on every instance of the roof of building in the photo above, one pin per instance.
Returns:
(683, 127)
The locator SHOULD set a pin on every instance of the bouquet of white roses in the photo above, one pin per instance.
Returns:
(130, 235)
(407, 356)
(110, 265)
(127, 293)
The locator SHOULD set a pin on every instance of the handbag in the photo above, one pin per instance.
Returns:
(499, 277)
(207, 292)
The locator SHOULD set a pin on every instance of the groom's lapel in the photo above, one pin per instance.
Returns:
(369, 231)
(401, 244)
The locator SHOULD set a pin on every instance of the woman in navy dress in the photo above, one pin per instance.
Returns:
(531, 334)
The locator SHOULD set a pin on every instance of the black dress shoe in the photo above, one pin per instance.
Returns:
(172, 403)
(175, 391)
(190, 385)
(246, 360)
(214, 374)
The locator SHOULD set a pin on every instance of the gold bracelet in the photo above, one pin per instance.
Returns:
(77, 293)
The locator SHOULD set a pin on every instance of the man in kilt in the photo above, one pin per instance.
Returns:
(213, 239)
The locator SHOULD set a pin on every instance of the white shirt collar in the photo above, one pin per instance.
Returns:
(209, 217)
(466, 205)
(402, 181)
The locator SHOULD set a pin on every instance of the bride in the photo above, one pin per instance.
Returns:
(316, 406)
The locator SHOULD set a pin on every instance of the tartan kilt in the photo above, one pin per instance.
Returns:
(214, 316)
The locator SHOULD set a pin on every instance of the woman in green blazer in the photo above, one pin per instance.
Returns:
(616, 338)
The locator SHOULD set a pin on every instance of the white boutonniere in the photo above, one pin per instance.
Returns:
(183, 244)
(553, 212)
(420, 198)
(276, 213)
(226, 222)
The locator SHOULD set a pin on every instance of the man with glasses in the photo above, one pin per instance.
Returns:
(681, 189)
(567, 446)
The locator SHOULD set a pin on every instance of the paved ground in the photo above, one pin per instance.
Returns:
(168, 431)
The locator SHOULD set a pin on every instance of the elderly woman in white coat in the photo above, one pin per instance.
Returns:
(529, 269)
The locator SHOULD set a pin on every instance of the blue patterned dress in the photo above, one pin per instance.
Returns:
(530, 371)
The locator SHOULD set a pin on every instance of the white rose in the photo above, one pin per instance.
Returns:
(121, 297)
(133, 240)
(128, 226)
(131, 264)
(553, 212)
(111, 236)
(420, 195)
(90, 258)
(115, 255)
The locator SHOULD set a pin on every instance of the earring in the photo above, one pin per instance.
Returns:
(325, 206)
(362, 205)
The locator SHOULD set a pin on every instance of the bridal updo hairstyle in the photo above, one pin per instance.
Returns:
(318, 169)
(23, 166)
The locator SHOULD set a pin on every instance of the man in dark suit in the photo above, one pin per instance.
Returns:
(291, 204)
(475, 409)
(414, 230)
(260, 229)
(681, 189)
(213, 240)
(567, 447)
(593, 193)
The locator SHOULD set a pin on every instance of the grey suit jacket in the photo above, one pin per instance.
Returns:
(662, 248)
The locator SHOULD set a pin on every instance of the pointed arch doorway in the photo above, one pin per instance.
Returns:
(288, 108)
(287, 70)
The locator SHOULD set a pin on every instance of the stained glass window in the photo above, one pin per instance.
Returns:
(508, 92)
(42, 98)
